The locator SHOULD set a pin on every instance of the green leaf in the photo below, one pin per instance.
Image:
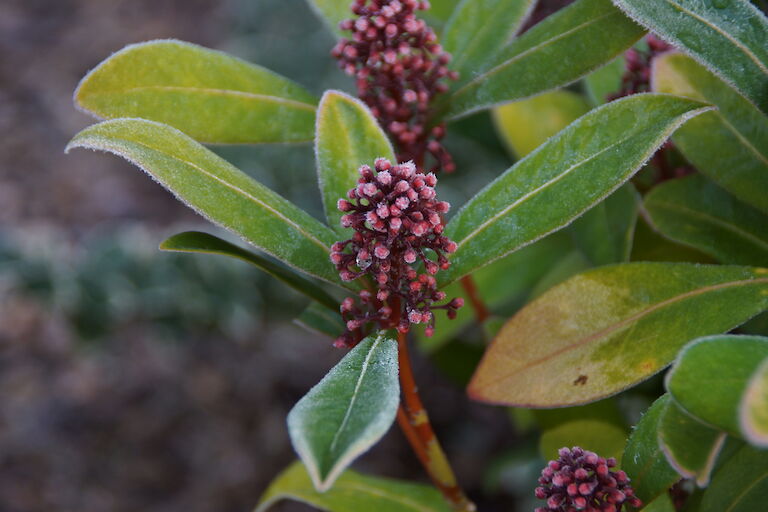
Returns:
(353, 492)
(698, 213)
(606, 232)
(217, 190)
(602, 437)
(348, 411)
(724, 365)
(347, 136)
(691, 447)
(754, 408)
(730, 144)
(197, 242)
(563, 178)
(508, 280)
(557, 51)
(605, 81)
(741, 485)
(320, 320)
(644, 461)
(662, 503)
(610, 328)
(439, 13)
(478, 29)
(333, 12)
(727, 36)
(209, 95)
(527, 124)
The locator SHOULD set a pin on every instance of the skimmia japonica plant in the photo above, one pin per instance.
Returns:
(605, 254)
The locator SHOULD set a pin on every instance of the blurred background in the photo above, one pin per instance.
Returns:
(132, 379)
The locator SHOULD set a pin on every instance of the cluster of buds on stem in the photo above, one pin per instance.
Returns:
(399, 69)
(398, 243)
(637, 67)
(580, 480)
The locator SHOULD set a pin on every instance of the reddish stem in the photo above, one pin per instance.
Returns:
(414, 421)
(481, 310)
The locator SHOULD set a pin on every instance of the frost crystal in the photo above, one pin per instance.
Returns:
(399, 69)
(580, 480)
(398, 230)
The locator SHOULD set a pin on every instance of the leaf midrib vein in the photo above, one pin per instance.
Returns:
(535, 191)
(483, 76)
(725, 34)
(745, 491)
(606, 331)
(355, 392)
(212, 91)
(714, 220)
(242, 192)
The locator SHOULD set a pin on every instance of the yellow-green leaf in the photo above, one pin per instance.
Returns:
(730, 144)
(607, 329)
(753, 409)
(209, 95)
(527, 124)
(353, 492)
(217, 190)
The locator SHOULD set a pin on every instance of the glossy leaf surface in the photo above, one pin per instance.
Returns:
(197, 242)
(724, 366)
(527, 124)
(741, 485)
(563, 178)
(217, 190)
(557, 51)
(644, 461)
(347, 137)
(478, 29)
(348, 411)
(691, 447)
(730, 144)
(727, 36)
(353, 492)
(609, 328)
(209, 95)
(696, 212)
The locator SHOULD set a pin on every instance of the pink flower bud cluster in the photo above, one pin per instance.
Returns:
(398, 242)
(637, 72)
(580, 480)
(399, 69)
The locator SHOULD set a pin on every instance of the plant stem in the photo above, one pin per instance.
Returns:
(481, 310)
(414, 421)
